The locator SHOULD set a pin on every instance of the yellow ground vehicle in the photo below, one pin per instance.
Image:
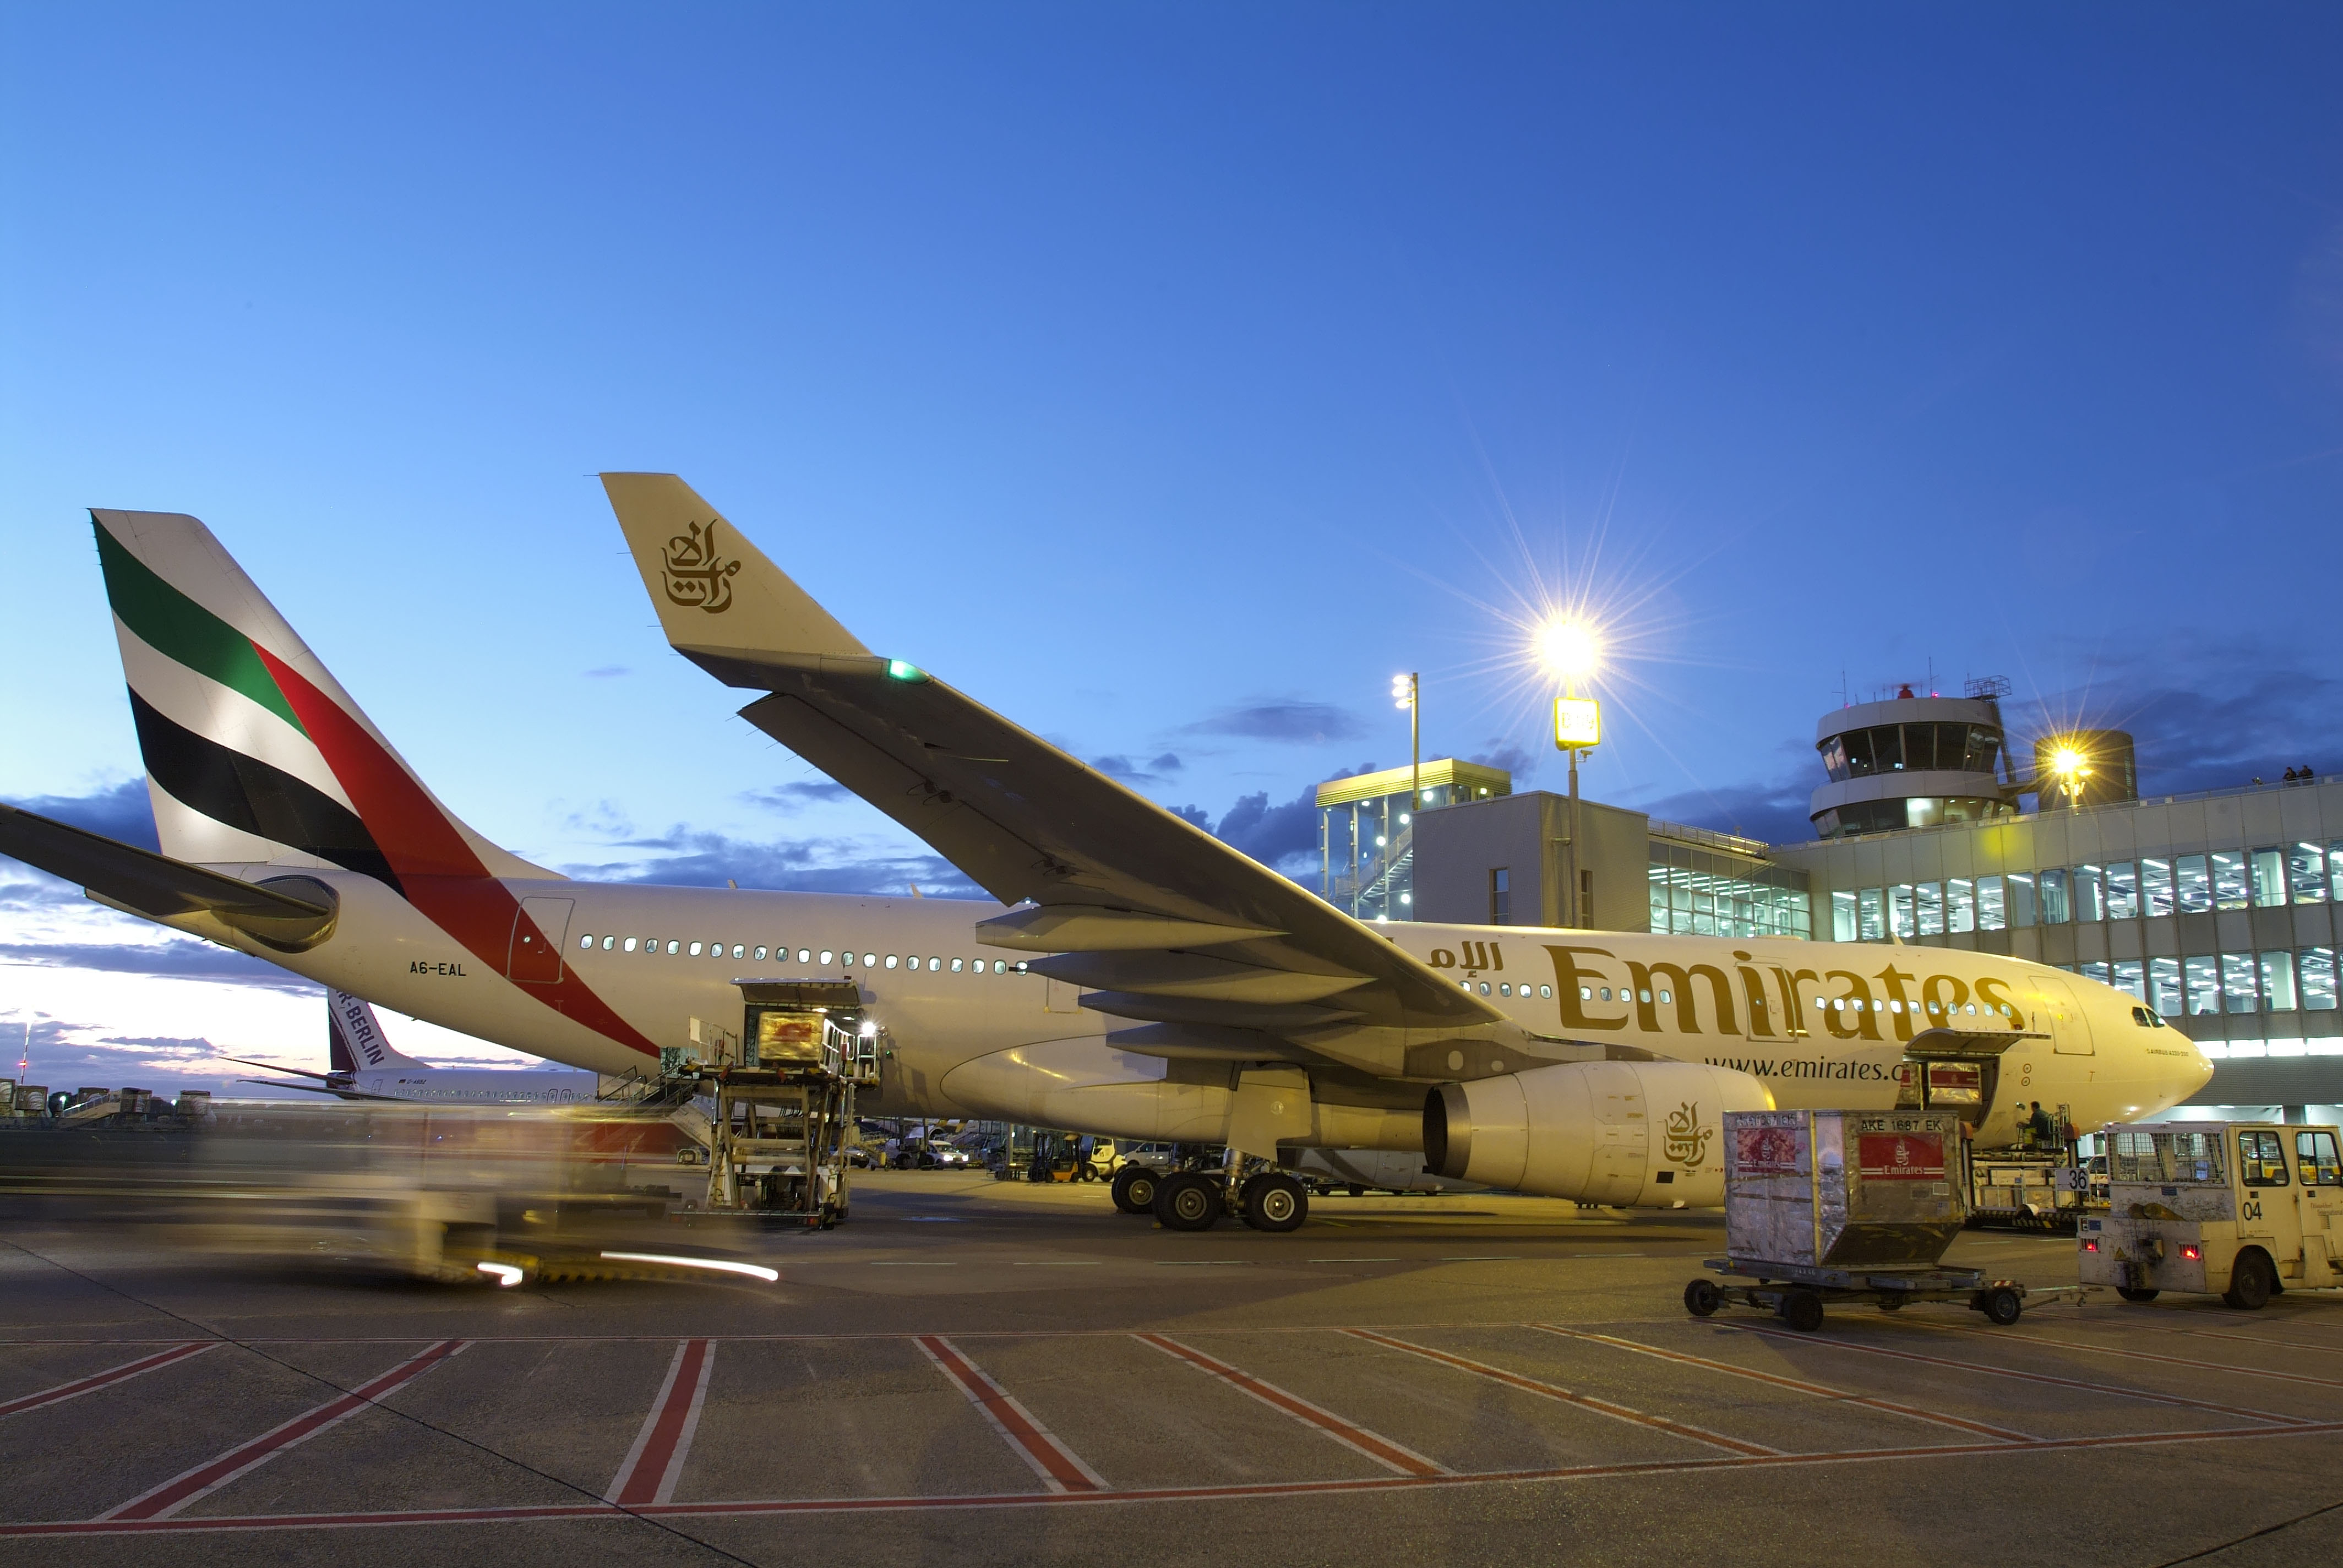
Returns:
(2241, 1209)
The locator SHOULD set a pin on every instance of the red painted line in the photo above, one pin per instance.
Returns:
(1394, 1457)
(655, 1464)
(1237, 1493)
(175, 1493)
(2230, 1367)
(2033, 1377)
(107, 1379)
(1567, 1396)
(1060, 1468)
(1821, 1391)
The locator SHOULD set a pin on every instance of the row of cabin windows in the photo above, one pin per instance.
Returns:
(2151, 887)
(677, 946)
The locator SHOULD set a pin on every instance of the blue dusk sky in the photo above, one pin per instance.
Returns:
(1166, 377)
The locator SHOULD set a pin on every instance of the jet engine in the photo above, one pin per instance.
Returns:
(1644, 1134)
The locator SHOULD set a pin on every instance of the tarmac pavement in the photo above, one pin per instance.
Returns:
(973, 1373)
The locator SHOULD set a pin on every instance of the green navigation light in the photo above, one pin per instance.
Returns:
(897, 669)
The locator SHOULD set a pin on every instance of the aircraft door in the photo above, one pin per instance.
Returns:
(2061, 1017)
(540, 927)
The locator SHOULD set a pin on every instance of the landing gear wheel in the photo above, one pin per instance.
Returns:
(1354, 1190)
(1274, 1202)
(1702, 1297)
(1133, 1191)
(1802, 1310)
(2001, 1305)
(1188, 1201)
(2252, 1283)
(2128, 1294)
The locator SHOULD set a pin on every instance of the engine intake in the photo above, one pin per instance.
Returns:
(1634, 1134)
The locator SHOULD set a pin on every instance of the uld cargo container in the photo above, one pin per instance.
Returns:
(1829, 1188)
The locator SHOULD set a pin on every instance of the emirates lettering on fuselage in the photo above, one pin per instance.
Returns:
(1597, 991)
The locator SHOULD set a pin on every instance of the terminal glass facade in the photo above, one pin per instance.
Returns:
(2221, 911)
(1700, 891)
(1366, 831)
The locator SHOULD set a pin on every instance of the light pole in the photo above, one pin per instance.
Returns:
(1570, 649)
(1403, 694)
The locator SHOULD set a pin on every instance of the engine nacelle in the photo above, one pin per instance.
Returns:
(1644, 1134)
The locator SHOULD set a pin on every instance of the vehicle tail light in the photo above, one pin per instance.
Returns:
(2192, 1252)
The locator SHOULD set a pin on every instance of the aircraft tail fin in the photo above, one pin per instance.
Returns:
(721, 603)
(253, 752)
(354, 1038)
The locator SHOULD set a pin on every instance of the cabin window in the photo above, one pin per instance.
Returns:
(2260, 1162)
(825, 956)
(758, 955)
(692, 951)
(1665, 999)
(934, 965)
(674, 946)
(1484, 988)
(587, 940)
(1000, 966)
(890, 961)
(805, 956)
(1545, 992)
(2315, 1157)
(608, 943)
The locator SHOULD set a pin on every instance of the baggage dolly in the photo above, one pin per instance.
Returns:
(1797, 1290)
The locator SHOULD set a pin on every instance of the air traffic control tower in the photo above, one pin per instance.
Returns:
(1912, 761)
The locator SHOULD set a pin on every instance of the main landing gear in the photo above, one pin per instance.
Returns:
(1266, 1199)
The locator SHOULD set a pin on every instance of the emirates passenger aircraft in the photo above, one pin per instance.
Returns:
(1136, 977)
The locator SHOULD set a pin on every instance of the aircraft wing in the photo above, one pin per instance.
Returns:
(1161, 922)
(158, 887)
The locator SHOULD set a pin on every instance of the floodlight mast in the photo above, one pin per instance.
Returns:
(1405, 689)
(1572, 649)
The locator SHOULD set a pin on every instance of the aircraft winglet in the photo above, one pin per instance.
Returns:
(721, 603)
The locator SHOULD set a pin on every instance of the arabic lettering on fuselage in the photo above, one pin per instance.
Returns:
(1675, 997)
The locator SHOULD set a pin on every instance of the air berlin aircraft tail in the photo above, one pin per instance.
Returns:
(255, 754)
(354, 1038)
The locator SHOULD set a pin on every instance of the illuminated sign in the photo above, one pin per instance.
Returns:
(1577, 721)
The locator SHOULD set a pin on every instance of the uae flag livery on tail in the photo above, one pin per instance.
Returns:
(257, 757)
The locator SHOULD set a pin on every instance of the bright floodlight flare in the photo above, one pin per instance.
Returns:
(507, 1276)
(1403, 692)
(1570, 648)
(2066, 762)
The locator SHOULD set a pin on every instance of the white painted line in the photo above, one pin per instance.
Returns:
(655, 1464)
(1397, 1458)
(1060, 1467)
(163, 1501)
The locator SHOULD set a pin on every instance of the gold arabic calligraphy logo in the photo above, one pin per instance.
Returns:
(695, 574)
(1687, 1139)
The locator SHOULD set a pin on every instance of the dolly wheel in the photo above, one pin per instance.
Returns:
(1188, 1201)
(1133, 1191)
(1702, 1297)
(1802, 1310)
(2001, 1305)
(1273, 1201)
(2128, 1294)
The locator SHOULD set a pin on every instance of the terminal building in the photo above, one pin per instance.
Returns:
(2221, 909)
